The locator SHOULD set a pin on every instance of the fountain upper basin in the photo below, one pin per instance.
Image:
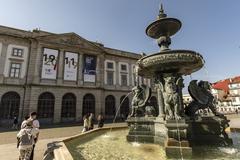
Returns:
(182, 62)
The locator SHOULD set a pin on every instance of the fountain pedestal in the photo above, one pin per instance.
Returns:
(147, 130)
(160, 131)
(177, 144)
(209, 130)
(141, 129)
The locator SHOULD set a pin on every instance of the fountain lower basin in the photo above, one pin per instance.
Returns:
(102, 144)
(183, 62)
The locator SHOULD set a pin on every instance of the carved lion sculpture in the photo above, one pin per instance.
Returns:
(202, 98)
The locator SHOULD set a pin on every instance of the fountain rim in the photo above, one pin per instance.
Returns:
(146, 68)
(169, 51)
(178, 25)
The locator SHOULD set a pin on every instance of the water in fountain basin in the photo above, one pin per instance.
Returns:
(118, 148)
(135, 144)
(106, 136)
(114, 148)
(228, 150)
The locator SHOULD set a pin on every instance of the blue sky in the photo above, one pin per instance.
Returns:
(210, 27)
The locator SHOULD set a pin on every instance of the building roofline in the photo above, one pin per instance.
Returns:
(7, 27)
(34, 32)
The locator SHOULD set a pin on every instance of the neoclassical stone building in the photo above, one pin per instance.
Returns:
(62, 76)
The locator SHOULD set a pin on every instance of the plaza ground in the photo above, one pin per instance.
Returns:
(8, 150)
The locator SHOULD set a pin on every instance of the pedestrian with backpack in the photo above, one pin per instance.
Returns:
(25, 139)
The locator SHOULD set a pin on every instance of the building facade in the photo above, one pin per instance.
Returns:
(63, 76)
(234, 94)
(227, 93)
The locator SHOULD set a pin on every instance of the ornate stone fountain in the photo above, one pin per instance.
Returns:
(174, 127)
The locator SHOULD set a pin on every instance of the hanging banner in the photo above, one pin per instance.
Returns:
(49, 64)
(89, 70)
(70, 66)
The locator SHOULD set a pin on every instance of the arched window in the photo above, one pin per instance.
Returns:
(124, 108)
(88, 104)
(110, 109)
(46, 105)
(68, 106)
(154, 103)
(10, 104)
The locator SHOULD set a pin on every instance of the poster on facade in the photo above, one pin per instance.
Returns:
(49, 64)
(70, 66)
(89, 70)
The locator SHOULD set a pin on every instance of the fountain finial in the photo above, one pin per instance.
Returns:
(161, 13)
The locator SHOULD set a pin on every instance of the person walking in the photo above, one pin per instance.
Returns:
(85, 123)
(91, 121)
(36, 124)
(100, 120)
(15, 123)
(25, 139)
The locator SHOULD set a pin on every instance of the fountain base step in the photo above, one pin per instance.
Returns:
(147, 130)
(177, 144)
(176, 149)
(141, 129)
(140, 138)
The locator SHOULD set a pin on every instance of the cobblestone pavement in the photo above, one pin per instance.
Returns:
(8, 150)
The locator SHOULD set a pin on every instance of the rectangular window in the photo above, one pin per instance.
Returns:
(110, 77)
(15, 70)
(123, 67)
(109, 65)
(17, 52)
(124, 79)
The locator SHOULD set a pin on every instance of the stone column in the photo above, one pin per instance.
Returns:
(3, 60)
(98, 103)
(57, 109)
(97, 75)
(60, 67)
(79, 107)
(100, 71)
(180, 87)
(33, 67)
(117, 75)
(130, 77)
(33, 104)
(117, 103)
(160, 98)
(102, 109)
(36, 62)
(80, 70)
